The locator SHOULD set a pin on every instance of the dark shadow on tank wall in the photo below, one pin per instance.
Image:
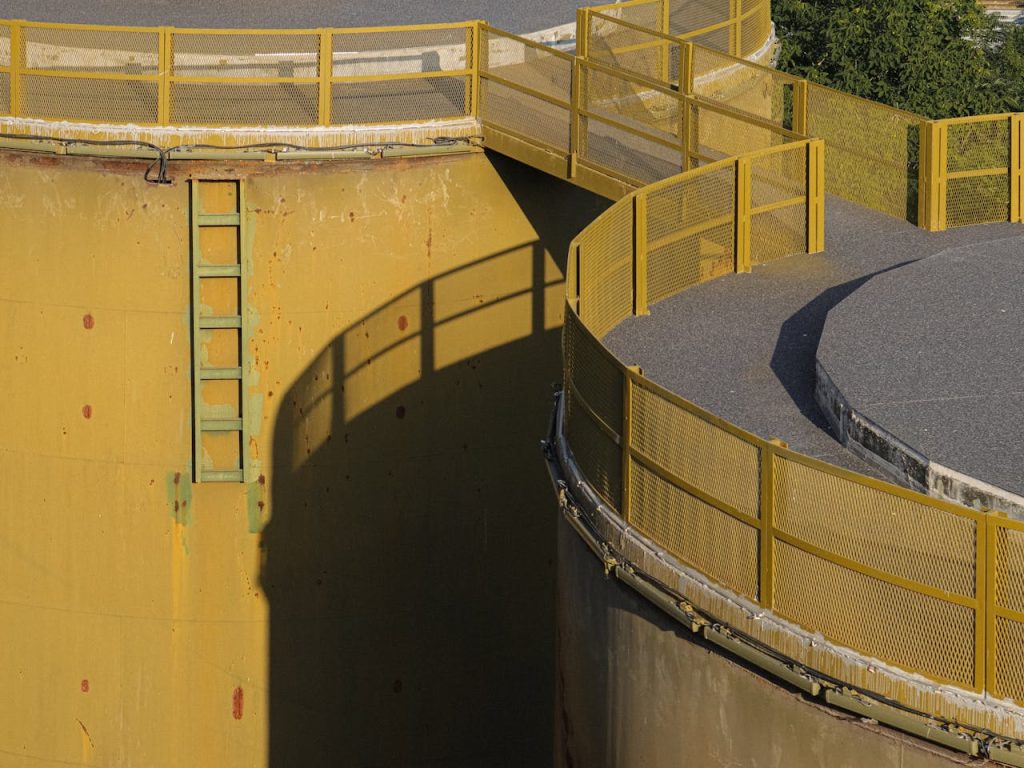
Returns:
(409, 558)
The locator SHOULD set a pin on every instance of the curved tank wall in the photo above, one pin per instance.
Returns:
(381, 592)
(635, 688)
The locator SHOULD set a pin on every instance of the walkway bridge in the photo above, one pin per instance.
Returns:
(899, 606)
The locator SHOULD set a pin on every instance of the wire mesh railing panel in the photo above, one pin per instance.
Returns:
(871, 151)
(974, 147)
(244, 55)
(5, 45)
(647, 13)
(690, 231)
(1009, 567)
(685, 17)
(525, 89)
(5, 69)
(705, 457)
(696, 533)
(716, 134)
(87, 100)
(361, 53)
(521, 63)
(917, 632)
(203, 103)
(778, 215)
(105, 51)
(909, 540)
(755, 29)
(596, 452)
(396, 101)
(636, 51)
(1008, 675)
(853, 560)
(634, 158)
(538, 120)
(593, 434)
(757, 91)
(977, 145)
(979, 200)
(593, 373)
(612, 95)
(606, 270)
(1007, 604)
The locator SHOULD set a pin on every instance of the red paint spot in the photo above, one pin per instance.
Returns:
(85, 685)
(403, 323)
(400, 412)
(88, 321)
(237, 702)
(87, 411)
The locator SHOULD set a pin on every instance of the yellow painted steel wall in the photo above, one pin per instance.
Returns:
(381, 594)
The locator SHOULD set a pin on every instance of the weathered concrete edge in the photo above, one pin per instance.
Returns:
(996, 726)
(874, 444)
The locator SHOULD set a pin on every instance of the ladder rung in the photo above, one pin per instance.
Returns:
(219, 270)
(223, 475)
(221, 425)
(220, 321)
(218, 219)
(220, 374)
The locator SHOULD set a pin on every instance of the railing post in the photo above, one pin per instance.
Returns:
(735, 11)
(163, 109)
(17, 62)
(685, 90)
(686, 68)
(800, 107)
(766, 540)
(626, 440)
(582, 33)
(985, 589)
(742, 209)
(477, 30)
(576, 139)
(640, 254)
(325, 73)
(815, 196)
(932, 177)
(1015, 166)
(666, 46)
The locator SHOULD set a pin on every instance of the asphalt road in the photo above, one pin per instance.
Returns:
(518, 16)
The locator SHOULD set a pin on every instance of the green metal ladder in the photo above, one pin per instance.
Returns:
(229, 263)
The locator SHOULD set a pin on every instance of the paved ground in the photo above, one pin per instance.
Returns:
(517, 16)
(932, 353)
(743, 346)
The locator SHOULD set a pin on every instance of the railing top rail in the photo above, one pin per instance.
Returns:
(626, 4)
(994, 117)
(868, 102)
(255, 31)
(635, 27)
(547, 49)
(632, 77)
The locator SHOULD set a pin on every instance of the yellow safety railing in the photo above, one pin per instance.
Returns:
(153, 76)
(923, 584)
(739, 27)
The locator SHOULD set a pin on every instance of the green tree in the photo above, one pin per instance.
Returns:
(940, 58)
